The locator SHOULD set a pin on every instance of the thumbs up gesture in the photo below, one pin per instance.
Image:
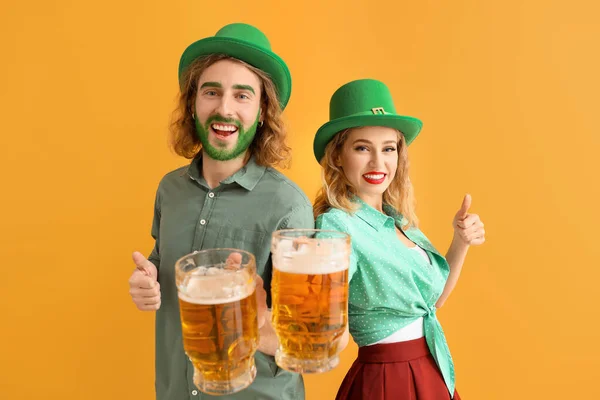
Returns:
(143, 284)
(468, 228)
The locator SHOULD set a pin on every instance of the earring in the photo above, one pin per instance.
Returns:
(260, 124)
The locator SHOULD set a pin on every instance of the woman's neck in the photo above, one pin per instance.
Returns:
(375, 201)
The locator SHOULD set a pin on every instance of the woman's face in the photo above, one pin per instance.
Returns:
(369, 159)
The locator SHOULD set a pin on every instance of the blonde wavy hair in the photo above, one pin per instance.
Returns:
(269, 146)
(337, 192)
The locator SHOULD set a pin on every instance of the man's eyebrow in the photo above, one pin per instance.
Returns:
(245, 87)
(211, 84)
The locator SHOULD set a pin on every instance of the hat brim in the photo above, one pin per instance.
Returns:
(409, 126)
(266, 61)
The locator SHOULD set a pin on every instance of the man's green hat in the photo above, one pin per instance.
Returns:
(365, 102)
(248, 44)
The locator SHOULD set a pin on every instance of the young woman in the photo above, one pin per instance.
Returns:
(397, 278)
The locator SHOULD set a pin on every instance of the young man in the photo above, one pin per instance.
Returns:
(233, 90)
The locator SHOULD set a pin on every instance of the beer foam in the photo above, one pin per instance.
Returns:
(207, 301)
(215, 286)
(303, 262)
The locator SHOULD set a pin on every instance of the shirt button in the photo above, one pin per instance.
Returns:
(211, 195)
(194, 392)
(202, 222)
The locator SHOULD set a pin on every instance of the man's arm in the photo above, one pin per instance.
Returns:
(300, 217)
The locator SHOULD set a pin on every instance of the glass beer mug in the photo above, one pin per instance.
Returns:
(217, 303)
(310, 297)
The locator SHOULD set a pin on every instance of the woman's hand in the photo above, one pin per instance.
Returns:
(468, 228)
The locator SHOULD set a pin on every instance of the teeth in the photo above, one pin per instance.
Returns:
(226, 128)
(376, 176)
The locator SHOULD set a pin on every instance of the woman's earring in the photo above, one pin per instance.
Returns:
(260, 124)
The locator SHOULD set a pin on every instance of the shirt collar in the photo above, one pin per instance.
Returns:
(247, 177)
(376, 219)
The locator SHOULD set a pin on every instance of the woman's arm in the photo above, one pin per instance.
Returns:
(468, 231)
(455, 257)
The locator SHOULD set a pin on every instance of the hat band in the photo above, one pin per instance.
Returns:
(373, 111)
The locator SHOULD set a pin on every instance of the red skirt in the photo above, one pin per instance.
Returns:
(398, 371)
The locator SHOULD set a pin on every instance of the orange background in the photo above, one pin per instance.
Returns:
(508, 92)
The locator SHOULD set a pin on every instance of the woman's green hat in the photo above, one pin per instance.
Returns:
(248, 44)
(365, 102)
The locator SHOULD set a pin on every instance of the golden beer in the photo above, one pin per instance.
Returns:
(310, 305)
(220, 339)
(218, 310)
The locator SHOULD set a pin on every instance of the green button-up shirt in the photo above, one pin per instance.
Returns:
(391, 285)
(242, 212)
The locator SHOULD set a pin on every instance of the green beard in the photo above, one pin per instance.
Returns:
(245, 137)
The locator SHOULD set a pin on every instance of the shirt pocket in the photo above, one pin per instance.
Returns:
(244, 239)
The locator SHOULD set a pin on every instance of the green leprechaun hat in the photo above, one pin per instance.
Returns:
(246, 43)
(364, 102)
